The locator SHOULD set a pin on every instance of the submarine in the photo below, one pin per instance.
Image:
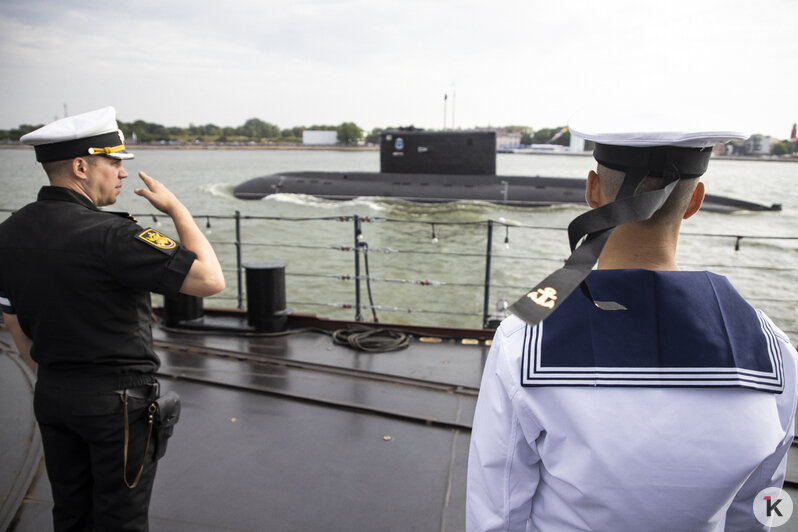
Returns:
(440, 167)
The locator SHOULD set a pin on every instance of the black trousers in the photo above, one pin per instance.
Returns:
(83, 437)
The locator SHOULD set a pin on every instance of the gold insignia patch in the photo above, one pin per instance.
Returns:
(545, 297)
(156, 239)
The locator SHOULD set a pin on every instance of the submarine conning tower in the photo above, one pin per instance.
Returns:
(415, 151)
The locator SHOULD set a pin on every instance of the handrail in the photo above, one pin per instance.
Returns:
(360, 249)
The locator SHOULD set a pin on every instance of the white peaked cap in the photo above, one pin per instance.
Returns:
(92, 133)
(632, 126)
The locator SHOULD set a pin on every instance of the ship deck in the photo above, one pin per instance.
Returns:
(285, 433)
(288, 432)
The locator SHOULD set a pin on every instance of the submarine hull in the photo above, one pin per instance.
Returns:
(522, 191)
(427, 188)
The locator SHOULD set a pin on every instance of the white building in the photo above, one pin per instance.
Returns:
(505, 140)
(577, 144)
(324, 138)
(757, 145)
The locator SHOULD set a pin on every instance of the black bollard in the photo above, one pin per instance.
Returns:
(181, 307)
(266, 310)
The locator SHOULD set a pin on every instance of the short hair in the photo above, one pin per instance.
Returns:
(671, 211)
(56, 170)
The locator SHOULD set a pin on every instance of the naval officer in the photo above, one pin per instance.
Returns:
(75, 285)
(648, 398)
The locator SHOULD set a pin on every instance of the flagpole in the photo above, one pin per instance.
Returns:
(445, 97)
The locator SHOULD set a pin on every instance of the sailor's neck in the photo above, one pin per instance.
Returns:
(629, 248)
(640, 264)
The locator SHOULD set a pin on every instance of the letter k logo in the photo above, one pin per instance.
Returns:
(772, 507)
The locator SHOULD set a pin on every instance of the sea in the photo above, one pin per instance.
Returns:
(427, 262)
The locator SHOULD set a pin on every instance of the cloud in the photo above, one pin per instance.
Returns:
(380, 63)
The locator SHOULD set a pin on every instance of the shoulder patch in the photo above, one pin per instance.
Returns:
(156, 239)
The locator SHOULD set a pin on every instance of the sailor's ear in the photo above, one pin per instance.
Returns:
(593, 194)
(696, 201)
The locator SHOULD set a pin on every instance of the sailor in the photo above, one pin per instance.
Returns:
(649, 398)
(75, 285)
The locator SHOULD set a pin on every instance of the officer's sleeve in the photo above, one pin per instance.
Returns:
(503, 471)
(21, 340)
(147, 259)
(771, 472)
(5, 304)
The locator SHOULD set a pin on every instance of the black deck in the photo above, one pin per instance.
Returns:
(288, 433)
(293, 433)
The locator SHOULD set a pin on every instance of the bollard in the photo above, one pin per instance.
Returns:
(181, 307)
(266, 310)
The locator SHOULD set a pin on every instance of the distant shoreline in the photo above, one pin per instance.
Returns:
(132, 147)
(298, 147)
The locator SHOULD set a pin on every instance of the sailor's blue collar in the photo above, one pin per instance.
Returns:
(65, 194)
(680, 329)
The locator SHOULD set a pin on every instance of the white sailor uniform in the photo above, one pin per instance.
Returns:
(671, 415)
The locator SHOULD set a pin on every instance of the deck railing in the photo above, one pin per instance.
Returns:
(363, 277)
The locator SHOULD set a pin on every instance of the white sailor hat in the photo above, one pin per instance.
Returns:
(92, 133)
(631, 137)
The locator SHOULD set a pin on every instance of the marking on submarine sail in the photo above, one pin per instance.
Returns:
(398, 146)
(276, 187)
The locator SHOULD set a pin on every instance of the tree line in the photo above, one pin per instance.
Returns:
(253, 130)
(259, 131)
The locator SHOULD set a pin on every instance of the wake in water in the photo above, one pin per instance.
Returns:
(220, 190)
(220, 195)
(306, 200)
(468, 210)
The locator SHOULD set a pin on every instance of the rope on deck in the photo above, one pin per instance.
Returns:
(372, 340)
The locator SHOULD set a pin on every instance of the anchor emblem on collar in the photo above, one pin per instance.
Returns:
(545, 297)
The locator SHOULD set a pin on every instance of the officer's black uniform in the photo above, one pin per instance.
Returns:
(79, 280)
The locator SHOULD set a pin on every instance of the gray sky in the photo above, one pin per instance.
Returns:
(379, 63)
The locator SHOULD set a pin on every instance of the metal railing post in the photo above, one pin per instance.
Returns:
(238, 261)
(358, 236)
(488, 252)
